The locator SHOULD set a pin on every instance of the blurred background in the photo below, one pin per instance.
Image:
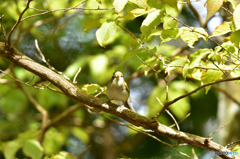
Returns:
(67, 47)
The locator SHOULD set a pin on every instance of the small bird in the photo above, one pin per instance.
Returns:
(117, 89)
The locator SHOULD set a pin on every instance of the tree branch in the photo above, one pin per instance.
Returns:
(74, 92)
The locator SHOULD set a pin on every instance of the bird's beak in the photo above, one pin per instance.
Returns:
(118, 76)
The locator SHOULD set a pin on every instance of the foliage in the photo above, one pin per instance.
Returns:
(94, 36)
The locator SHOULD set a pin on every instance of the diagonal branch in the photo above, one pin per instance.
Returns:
(75, 93)
(167, 104)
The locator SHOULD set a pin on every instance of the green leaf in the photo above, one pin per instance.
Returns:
(234, 38)
(169, 23)
(53, 141)
(172, 3)
(236, 17)
(107, 30)
(11, 148)
(196, 57)
(130, 55)
(137, 13)
(169, 34)
(210, 76)
(93, 23)
(178, 61)
(91, 88)
(221, 29)
(189, 37)
(53, 5)
(81, 134)
(152, 20)
(234, 3)
(212, 7)
(119, 5)
(33, 149)
(201, 33)
(63, 155)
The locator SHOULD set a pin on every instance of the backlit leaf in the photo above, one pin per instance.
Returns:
(212, 7)
(107, 30)
(119, 5)
(90, 88)
(152, 20)
(210, 76)
(236, 17)
(136, 13)
(221, 29)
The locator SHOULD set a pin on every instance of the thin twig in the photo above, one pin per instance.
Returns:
(192, 30)
(181, 120)
(145, 63)
(17, 23)
(194, 154)
(3, 30)
(46, 62)
(142, 44)
(75, 77)
(37, 106)
(227, 10)
(218, 129)
(167, 104)
(231, 143)
(26, 83)
(178, 128)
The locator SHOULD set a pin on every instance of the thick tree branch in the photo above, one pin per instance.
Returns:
(74, 92)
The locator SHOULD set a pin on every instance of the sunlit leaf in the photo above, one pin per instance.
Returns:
(221, 29)
(152, 20)
(107, 30)
(212, 7)
(189, 37)
(90, 88)
(210, 76)
(136, 13)
(119, 5)
(169, 34)
(33, 149)
(236, 17)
